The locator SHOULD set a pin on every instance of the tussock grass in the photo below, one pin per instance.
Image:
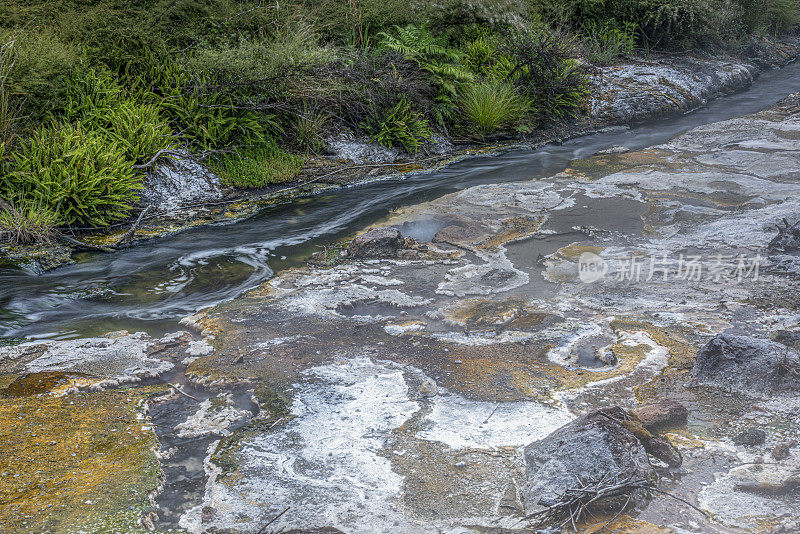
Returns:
(492, 105)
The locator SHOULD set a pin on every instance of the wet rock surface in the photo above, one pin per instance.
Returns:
(647, 89)
(178, 183)
(658, 415)
(378, 243)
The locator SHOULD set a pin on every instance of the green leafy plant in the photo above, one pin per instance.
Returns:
(484, 56)
(212, 120)
(27, 223)
(491, 105)
(555, 84)
(99, 104)
(608, 41)
(258, 166)
(433, 56)
(400, 125)
(137, 129)
(82, 177)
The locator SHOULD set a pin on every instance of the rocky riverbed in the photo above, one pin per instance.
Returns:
(454, 368)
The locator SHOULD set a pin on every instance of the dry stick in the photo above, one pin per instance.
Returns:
(615, 515)
(179, 390)
(264, 528)
(496, 406)
(684, 501)
(129, 234)
(155, 158)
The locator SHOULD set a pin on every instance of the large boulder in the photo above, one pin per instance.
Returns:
(378, 243)
(593, 447)
(752, 366)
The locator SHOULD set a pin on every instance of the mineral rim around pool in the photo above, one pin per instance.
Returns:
(396, 394)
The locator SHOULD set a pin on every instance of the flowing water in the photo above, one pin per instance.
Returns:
(150, 286)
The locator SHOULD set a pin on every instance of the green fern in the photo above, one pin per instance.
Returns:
(82, 177)
(401, 125)
(432, 55)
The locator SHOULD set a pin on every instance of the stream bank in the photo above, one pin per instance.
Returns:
(186, 194)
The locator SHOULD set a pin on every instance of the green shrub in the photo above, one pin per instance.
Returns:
(661, 24)
(99, 104)
(290, 46)
(360, 89)
(432, 55)
(400, 125)
(258, 166)
(607, 42)
(27, 223)
(42, 67)
(554, 83)
(457, 16)
(212, 120)
(82, 177)
(492, 105)
(10, 104)
(770, 16)
(485, 57)
(353, 21)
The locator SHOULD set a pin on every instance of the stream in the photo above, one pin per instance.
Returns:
(150, 286)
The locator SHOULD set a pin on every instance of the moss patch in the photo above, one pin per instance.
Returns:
(82, 462)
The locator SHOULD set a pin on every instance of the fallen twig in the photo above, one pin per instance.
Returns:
(179, 390)
(576, 501)
(264, 528)
(162, 152)
(80, 245)
(127, 235)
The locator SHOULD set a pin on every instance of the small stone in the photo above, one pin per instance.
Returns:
(606, 356)
(667, 413)
(428, 388)
(750, 436)
(208, 513)
(781, 451)
(381, 242)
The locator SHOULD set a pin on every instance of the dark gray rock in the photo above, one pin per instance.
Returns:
(663, 450)
(787, 240)
(378, 243)
(662, 414)
(457, 233)
(591, 447)
(788, 338)
(750, 436)
(748, 365)
(781, 451)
